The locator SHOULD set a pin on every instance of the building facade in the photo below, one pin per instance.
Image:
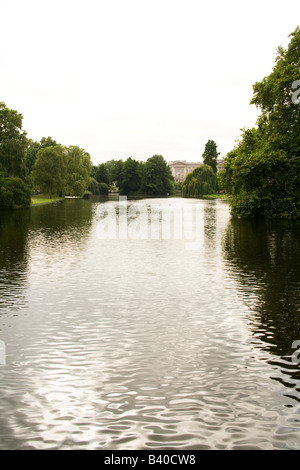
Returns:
(220, 164)
(180, 168)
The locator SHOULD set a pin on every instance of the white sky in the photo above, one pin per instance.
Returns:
(124, 78)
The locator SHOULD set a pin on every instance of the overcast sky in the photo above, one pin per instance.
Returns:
(124, 78)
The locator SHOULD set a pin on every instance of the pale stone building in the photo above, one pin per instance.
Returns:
(180, 168)
(220, 163)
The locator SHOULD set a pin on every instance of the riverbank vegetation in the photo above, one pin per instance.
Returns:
(261, 175)
(28, 168)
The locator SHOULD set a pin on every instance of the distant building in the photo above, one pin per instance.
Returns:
(220, 163)
(180, 168)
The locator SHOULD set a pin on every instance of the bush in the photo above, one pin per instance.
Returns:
(14, 193)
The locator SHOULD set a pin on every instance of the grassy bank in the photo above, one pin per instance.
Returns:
(208, 196)
(215, 196)
(44, 199)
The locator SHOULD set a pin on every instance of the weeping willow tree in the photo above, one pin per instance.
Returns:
(202, 180)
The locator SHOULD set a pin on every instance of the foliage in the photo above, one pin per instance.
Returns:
(101, 174)
(103, 188)
(32, 149)
(62, 170)
(178, 185)
(13, 193)
(157, 178)
(202, 180)
(78, 168)
(130, 177)
(115, 172)
(93, 186)
(261, 174)
(49, 169)
(12, 142)
(210, 154)
(152, 177)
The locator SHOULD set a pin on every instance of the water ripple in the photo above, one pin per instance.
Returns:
(140, 345)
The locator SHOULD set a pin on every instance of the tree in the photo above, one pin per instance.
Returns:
(116, 173)
(262, 173)
(12, 142)
(101, 174)
(109, 165)
(130, 179)
(275, 97)
(32, 149)
(157, 178)
(78, 168)
(210, 154)
(93, 186)
(50, 168)
(202, 180)
(47, 142)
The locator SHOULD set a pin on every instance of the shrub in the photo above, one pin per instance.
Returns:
(14, 193)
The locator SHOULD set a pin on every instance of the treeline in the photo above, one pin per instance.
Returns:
(27, 166)
(261, 174)
(46, 166)
(130, 177)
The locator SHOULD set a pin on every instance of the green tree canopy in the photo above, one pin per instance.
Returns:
(116, 173)
(12, 142)
(32, 149)
(202, 180)
(210, 154)
(13, 192)
(101, 174)
(50, 169)
(157, 178)
(77, 169)
(131, 177)
(262, 173)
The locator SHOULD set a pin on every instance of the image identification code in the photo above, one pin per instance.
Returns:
(158, 459)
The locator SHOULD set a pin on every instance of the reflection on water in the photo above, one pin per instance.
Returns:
(142, 343)
(13, 259)
(263, 256)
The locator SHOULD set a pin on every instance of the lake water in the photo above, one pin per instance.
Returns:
(161, 335)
